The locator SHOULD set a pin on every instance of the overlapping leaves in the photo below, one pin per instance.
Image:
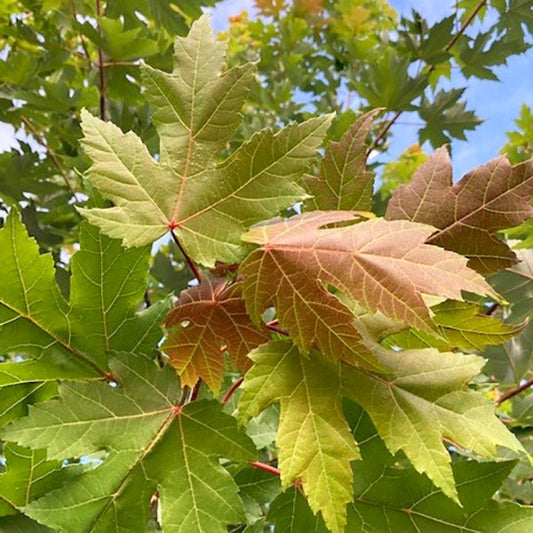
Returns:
(152, 443)
(423, 400)
(385, 266)
(391, 496)
(195, 112)
(68, 340)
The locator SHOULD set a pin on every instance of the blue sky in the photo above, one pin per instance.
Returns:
(497, 103)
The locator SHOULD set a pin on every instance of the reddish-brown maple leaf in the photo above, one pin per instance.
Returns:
(490, 198)
(206, 321)
(383, 265)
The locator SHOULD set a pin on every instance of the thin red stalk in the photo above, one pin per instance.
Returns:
(229, 393)
(265, 467)
(513, 392)
(184, 394)
(447, 48)
(195, 390)
(190, 263)
(101, 71)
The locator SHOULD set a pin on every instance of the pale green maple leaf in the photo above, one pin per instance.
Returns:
(195, 112)
(313, 437)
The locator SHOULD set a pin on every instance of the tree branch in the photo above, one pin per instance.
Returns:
(195, 390)
(513, 392)
(447, 48)
(101, 71)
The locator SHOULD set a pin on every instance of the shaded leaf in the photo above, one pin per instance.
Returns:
(510, 362)
(390, 497)
(515, 284)
(445, 114)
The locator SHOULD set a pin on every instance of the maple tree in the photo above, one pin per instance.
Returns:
(323, 369)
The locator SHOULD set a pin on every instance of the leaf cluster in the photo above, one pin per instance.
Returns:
(321, 371)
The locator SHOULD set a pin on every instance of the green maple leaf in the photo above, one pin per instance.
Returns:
(29, 475)
(468, 213)
(69, 341)
(485, 52)
(390, 496)
(422, 400)
(510, 362)
(153, 443)
(344, 182)
(383, 266)
(515, 284)
(195, 112)
(313, 437)
(445, 113)
(461, 326)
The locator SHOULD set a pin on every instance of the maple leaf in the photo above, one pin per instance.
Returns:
(390, 496)
(313, 437)
(152, 443)
(422, 400)
(195, 112)
(206, 321)
(445, 113)
(461, 326)
(384, 266)
(68, 341)
(467, 214)
(29, 475)
(344, 182)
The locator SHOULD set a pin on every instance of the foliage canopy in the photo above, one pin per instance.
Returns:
(333, 359)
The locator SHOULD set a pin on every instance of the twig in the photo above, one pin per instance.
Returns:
(101, 72)
(229, 393)
(190, 263)
(265, 467)
(52, 155)
(447, 48)
(120, 64)
(147, 299)
(513, 392)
